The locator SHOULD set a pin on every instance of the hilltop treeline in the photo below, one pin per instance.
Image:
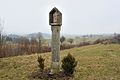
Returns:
(23, 45)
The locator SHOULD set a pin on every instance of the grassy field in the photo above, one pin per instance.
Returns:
(95, 62)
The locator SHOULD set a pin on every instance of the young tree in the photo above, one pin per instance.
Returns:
(41, 63)
(68, 64)
(70, 40)
(62, 39)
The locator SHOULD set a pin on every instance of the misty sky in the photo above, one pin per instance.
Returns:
(79, 16)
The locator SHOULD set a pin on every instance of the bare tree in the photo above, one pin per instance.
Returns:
(1, 41)
(116, 38)
(33, 44)
(24, 44)
(1, 38)
(40, 38)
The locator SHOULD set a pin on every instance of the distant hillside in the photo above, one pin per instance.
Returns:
(45, 35)
(13, 36)
(48, 36)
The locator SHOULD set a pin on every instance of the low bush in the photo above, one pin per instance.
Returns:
(41, 63)
(68, 64)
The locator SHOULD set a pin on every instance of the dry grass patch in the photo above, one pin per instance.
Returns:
(95, 62)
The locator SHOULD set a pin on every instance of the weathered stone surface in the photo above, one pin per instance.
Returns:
(55, 67)
(55, 43)
(55, 21)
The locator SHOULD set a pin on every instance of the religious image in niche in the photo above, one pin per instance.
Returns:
(55, 18)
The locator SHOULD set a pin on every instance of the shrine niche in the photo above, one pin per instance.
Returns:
(55, 17)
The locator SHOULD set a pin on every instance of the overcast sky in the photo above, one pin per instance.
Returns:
(79, 16)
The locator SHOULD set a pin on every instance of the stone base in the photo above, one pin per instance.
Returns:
(55, 67)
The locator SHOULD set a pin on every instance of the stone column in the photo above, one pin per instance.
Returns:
(55, 48)
(55, 20)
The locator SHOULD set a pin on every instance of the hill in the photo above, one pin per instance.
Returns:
(95, 62)
(45, 35)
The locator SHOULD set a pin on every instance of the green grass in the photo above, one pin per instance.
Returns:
(95, 62)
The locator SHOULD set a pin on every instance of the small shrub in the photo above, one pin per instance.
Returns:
(62, 39)
(70, 40)
(68, 64)
(41, 63)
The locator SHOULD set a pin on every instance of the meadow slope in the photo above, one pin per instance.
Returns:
(95, 62)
